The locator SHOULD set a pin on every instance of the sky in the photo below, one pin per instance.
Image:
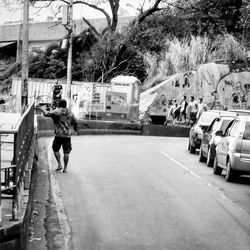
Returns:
(40, 14)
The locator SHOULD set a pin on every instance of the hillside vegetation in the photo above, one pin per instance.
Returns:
(171, 36)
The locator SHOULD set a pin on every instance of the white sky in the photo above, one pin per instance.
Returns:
(41, 14)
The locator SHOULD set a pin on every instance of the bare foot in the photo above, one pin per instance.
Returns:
(59, 168)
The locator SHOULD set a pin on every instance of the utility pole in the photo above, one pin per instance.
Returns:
(25, 51)
(69, 63)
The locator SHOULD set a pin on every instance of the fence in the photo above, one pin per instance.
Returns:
(13, 170)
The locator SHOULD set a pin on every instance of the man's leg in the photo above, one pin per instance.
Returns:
(58, 159)
(66, 160)
(56, 147)
(66, 150)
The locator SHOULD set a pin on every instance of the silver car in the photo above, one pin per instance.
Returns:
(233, 149)
(200, 127)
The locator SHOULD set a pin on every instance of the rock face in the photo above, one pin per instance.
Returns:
(220, 88)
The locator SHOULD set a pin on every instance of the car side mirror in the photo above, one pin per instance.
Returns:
(219, 133)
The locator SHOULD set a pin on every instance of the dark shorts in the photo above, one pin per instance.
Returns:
(65, 142)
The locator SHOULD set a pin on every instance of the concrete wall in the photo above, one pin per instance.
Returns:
(45, 128)
(170, 131)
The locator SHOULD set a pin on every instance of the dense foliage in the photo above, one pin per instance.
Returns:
(178, 36)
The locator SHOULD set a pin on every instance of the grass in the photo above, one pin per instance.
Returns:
(189, 53)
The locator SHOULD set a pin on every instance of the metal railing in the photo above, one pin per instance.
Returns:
(12, 172)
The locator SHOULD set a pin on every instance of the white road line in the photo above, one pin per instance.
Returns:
(56, 192)
(223, 195)
(192, 173)
(183, 166)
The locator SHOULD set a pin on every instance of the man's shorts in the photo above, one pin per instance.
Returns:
(65, 142)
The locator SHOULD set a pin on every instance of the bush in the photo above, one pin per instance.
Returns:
(189, 53)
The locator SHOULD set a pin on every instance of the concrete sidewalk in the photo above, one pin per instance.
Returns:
(45, 230)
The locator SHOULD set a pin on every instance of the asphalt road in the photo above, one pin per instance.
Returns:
(135, 192)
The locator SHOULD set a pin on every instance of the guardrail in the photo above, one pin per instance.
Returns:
(12, 174)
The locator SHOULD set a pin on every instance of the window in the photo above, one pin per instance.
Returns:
(216, 125)
(224, 125)
(246, 135)
(207, 117)
(235, 129)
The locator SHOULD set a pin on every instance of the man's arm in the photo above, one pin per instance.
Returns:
(47, 113)
(61, 90)
(74, 123)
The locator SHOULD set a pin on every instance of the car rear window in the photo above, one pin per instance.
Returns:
(246, 135)
(224, 125)
(207, 117)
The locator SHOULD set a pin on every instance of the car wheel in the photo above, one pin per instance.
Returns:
(209, 160)
(201, 156)
(230, 173)
(189, 146)
(216, 169)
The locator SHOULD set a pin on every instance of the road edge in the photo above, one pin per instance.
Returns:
(56, 194)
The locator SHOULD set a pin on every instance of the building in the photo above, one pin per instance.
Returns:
(42, 34)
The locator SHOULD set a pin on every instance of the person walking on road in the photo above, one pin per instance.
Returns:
(65, 123)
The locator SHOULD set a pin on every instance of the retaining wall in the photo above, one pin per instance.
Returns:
(45, 128)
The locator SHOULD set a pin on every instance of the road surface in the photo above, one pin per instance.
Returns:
(147, 193)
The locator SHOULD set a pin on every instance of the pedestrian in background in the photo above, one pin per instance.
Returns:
(65, 124)
(175, 112)
(201, 107)
(57, 94)
(191, 110)
(169, 115)
(184, 105)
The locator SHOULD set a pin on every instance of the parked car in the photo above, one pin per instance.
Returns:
(200, 127)
(207, 148)
(233, 149)
(240, 111)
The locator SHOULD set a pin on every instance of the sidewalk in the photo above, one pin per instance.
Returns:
(45, 230)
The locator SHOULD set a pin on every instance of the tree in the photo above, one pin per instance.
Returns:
(245, 21)
(213, 15)
(112, 20)
(144, 14)
(110, 57)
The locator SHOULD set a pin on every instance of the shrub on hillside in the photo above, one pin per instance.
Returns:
(189, 53)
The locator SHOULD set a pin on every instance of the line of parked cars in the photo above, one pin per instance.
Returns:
(223, 140)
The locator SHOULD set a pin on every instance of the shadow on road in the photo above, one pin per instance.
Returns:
(243, 180)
